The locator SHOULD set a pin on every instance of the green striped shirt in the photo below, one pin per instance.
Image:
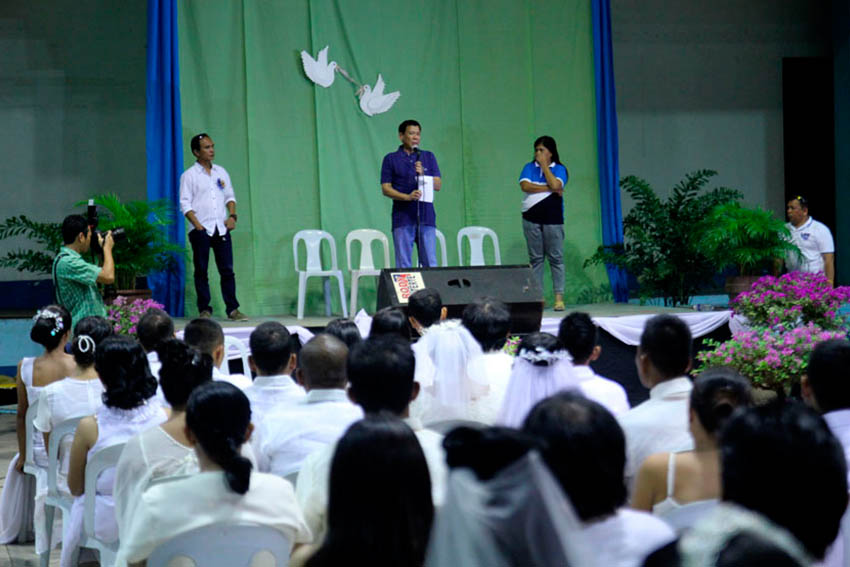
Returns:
(76, 285)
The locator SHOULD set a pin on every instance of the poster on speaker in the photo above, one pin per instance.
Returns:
(406, 284)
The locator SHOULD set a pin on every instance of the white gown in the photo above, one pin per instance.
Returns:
(114, 426)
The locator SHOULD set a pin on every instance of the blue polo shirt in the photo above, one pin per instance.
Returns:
(549, 210)
(399, 170)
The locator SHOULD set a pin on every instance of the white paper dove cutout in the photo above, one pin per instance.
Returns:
(319, 70)
(374, 101)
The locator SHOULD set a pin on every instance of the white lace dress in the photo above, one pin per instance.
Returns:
(113, 426)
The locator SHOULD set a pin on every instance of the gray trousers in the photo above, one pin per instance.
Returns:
(546, 240)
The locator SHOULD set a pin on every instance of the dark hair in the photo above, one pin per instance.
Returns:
(345, 330)
(218, 415)
(666, 340)
(380, 373)
(323, 361)
(425, 306)
(183, 369)
(548, 142)
(804, 203)
(402, 128)
(154, 327)
(379, 502)
(749, 548)
(390, 320)
(767, 452)
(203, 334)
(535, 342)
(718, 391)
(271, 347)
(579, 335)
(72, 226)
(486, 451)
(123, 368)
(195, 142)
(585, 449)
(489, 321)
(827, 372)
(96, 328)
(52, 322)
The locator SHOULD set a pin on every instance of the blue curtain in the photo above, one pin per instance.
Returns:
(607, 144)
(163, 139)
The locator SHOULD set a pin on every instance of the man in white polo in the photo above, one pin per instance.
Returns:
(813, 239)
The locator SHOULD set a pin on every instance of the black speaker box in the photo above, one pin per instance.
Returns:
(460, 286)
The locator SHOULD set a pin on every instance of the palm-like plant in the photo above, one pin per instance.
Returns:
(48, 235)
(663, 247)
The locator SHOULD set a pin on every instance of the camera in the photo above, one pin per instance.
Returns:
(118, 233)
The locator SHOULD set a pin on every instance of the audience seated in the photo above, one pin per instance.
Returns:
(542, 367)
(345, 330)
(489, 321)
(825, 388)
(218, 420)
(154, 327)
(581, 338)
(380, 375)
(129, 407)
(780, 463)
(454, 394)
(390, 320)
(272, 360)
(585, 449)
(379, 503)
(207, 336)
(424, 309)
(287, 436)
(51, 329)
(164, 450)
(660, 424)
(682, 487)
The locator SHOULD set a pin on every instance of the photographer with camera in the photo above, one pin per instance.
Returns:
(74, 279)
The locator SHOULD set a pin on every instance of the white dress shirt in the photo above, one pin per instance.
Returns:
(626, 538)
(239, 380)
(658, 425)
(838, 422)
(269, 393)
(603, 390)
(311, 489)
(207, 194)
(814, 239)
(286, 438)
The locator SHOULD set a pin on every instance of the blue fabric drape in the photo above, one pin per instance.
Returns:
(163, 139)
(607, 144)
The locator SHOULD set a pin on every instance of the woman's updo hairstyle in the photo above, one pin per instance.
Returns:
(218, 415)
(184, 368)
(541, 349)
(50, 324)
(718, 391)
(88, 334)
(123, 368)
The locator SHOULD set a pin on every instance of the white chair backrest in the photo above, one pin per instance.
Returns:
(313, 241)
(444, 254)
(224, 545)
(234, 343)
(67, 427)
(366, 236)
(29, 429)
(99, 462)
(476, 235)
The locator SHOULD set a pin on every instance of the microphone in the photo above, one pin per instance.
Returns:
(416, 151)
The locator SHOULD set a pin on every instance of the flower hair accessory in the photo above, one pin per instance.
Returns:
(540, 354)
(85, 344)
(58, 324)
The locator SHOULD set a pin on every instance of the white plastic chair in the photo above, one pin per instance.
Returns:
(313, 241)
(441, 238)
(476, 235)
(224, 545)
(56, 499)
(365, 236)
(104, 459)
(29, 431)
(234, 343)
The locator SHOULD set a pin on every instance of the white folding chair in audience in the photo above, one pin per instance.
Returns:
(234, 343)
(224, 545)
(29, 429)
(56, 499)
(104, 459)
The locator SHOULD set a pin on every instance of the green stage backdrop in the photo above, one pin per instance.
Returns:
(484, 77)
